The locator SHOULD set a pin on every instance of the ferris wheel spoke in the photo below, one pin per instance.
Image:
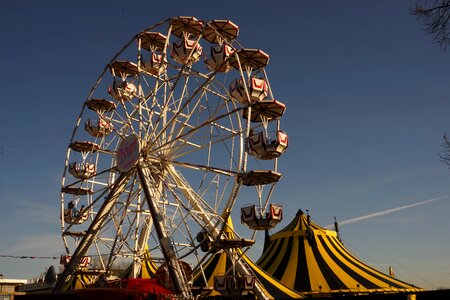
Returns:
(93, 229)
(178, 195)
(75, 183)
(119, 122)
(189, 213)
(214, 184)
(128, 119)
(186, 103)
(195, 202)
(216, 93)
(190, 147)
(199, 167)
(166, 102)
(122, 215)
(205, 123)
(202, 207)
(185, 123)
(150, 110)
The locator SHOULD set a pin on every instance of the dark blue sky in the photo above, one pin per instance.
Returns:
(367, 95)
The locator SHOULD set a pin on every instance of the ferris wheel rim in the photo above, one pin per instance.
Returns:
(169, 138)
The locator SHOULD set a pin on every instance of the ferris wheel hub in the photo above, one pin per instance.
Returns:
(128, 153)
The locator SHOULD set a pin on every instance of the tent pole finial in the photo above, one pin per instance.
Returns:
(336, 228)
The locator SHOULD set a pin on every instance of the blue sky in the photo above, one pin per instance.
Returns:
(367, 95)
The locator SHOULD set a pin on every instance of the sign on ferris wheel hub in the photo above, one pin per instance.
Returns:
(128, 153)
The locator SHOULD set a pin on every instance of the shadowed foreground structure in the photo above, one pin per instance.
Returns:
(303, 260)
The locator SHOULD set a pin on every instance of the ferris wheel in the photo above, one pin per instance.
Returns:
(171, 140)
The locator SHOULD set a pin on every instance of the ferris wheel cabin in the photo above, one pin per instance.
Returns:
(75, 217)
(98, 127)
(100, 105)
(234, 285)
(256, 218)
(82, 170)
(122, 88)
(263, 147)
(220, 33)
(257, 90)
(186, 51)
(154, 62)
(218, 58)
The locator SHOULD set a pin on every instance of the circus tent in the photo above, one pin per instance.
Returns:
(312, 260)
(219, 264)
(148, 268)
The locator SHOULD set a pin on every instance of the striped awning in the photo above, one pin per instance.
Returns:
(312, 260)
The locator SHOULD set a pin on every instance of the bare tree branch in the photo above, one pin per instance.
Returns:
(445, 156)
(435, 15)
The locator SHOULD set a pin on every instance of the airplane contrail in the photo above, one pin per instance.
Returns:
(388, 211)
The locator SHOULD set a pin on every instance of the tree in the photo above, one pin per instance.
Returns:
(445, 156)
(436, 17)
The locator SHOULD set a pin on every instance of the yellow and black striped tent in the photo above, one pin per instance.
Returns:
(220, 264)
(148, 268)
(80, 281)
(311, 259)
